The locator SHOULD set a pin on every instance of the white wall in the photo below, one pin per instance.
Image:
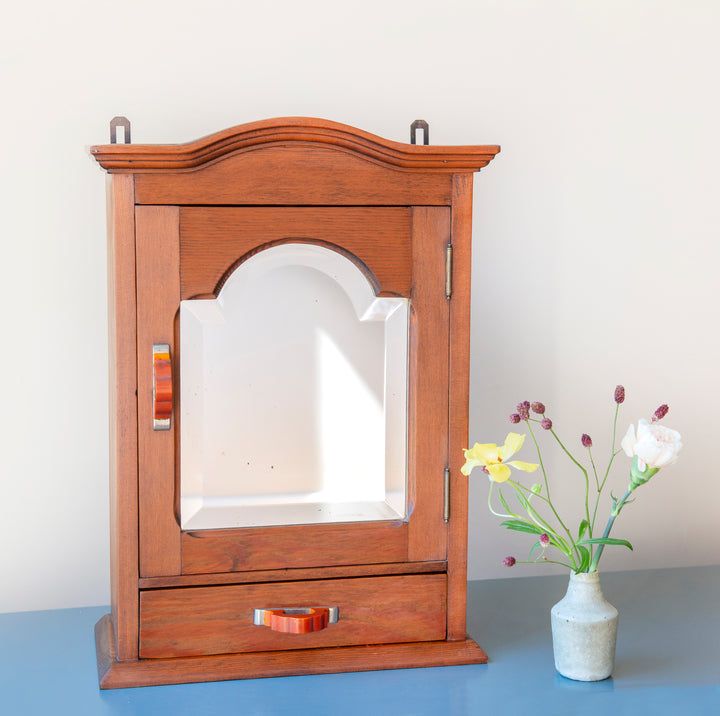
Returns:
(595, 241)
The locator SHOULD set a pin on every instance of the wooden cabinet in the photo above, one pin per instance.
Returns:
(235, 490)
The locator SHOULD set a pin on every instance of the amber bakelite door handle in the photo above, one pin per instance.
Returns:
(296, 620)
(162, 386)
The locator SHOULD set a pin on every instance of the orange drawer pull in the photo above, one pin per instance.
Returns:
(162, 386)
(296, 621)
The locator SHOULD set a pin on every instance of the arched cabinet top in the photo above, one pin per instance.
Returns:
(291, 132)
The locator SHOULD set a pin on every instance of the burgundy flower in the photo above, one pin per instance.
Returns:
(509, 561)
(538, 408)
(546, 424)
(586, 440)
(660, 413)
(524, 410)
(514, 418)
(619, 394)
(544, 539)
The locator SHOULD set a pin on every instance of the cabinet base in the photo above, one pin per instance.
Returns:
(113, 674)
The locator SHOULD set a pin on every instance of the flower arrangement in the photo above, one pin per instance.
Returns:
(651, 447)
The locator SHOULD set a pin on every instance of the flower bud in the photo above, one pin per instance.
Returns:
(546, 424)
(538, 408)
(586, 440)
(524, 410)
(509, 561)
(660, 413)
(619, 394)
(544, 539)
(514, 418)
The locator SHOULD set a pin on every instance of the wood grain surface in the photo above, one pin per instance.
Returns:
(256, 665)
(286, 131)
(459, 405)
(210, 551)
(198, 621)
(213, 241)
(181, 218)
(123, 415)
(158, 289)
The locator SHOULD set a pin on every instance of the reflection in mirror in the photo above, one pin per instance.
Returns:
(293, 393)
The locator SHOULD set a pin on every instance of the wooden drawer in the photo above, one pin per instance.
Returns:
(194, 621)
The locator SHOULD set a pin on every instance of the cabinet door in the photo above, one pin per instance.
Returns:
(188, 263)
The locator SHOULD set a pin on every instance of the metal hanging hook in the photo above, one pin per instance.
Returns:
(116, 122)
(419, 124)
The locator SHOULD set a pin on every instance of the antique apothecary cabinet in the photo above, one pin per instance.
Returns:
(289, 321)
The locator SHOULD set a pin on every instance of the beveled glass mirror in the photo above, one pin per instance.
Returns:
(293, 396)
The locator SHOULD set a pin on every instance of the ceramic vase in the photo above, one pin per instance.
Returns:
(584, 629)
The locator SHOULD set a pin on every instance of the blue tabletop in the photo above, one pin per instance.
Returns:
(668, 662)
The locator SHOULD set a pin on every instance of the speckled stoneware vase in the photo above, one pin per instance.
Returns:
(584, 629)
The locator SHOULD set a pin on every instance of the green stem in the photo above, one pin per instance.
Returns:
(540, 522)
(527, 489)
(592, 462)
(549, 500)
(554, 561)
(497, 514)
(615, 512)
(544, 559)
(584, 472)
(602, 485)
(591, 525)
(613, 454)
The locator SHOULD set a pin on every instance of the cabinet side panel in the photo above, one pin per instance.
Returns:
(428, 400)
(459, 403)
(123, 415)
(158, 290)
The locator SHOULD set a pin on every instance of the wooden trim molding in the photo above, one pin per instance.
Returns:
(164, 158)
(113, 674)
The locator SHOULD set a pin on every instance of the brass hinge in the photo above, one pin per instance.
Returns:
(446, 506)
(448, 270)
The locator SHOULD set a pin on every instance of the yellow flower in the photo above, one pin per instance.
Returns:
(495, 459)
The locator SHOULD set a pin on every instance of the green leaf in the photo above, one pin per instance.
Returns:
(585, 558)
(608, 541)
(533, 548)
(536, 489)
(520, 526)
(583, 529)
(522, 500)
(504, 502)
